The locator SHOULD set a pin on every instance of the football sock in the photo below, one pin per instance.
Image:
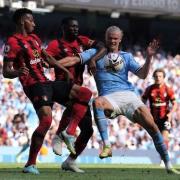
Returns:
(102, 124)
(78, 112)
(66, 117)
(161, 147)
(37, 139)
(79, 109)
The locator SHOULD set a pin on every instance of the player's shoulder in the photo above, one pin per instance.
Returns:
(35, 37)
(54, 42)
(126, 55)
(168, 87)
(12, 39)
(83, 37)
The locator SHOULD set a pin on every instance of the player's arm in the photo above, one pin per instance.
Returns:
(10, 72)
(145, 95)
(150, 52)
(82, 58)
(54, 63)
(173, 102)
(101, 52)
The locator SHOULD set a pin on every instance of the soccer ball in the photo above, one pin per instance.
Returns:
(114, 62)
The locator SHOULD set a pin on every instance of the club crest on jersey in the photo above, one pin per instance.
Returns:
(114, 62)
(35, 53)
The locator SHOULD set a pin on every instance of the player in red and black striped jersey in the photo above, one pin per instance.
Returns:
(160, 96)
(23, 58)
(70, 44)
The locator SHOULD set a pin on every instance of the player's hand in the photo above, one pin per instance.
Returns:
(23, 71)
(69, 76)
(167, 124)
(152, 48)
(92, 67)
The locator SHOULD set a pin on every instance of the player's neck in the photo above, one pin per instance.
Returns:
(69, 38)
(160, 85)
(21, 31)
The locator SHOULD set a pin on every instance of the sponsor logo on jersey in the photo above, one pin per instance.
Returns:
(35, 61)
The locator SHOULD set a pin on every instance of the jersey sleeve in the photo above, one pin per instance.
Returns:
(87, 55)
(133, 65)
(87, 42)
(11, 49)
(171, 94)
(52, 48)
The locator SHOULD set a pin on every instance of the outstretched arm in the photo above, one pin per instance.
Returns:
(151, 50)
(69, 61)
(101, 51)
(54, 63)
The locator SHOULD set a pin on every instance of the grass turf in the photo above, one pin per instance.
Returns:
(93, 172)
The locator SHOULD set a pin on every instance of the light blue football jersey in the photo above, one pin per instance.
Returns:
(108, 80)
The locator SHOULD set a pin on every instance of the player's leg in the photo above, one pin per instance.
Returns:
(57, 139)
(41, 96)
(165, 134)
(99, 105)
(145, 119)
(81, 97)
(45, 119)
(85, 126)
(23, 149)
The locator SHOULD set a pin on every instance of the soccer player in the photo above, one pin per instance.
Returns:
(160, 96)
(70, 44)
(116, 93)
(23, 58)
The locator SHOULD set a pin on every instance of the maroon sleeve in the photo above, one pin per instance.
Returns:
(87, 42)
(53, 48)
(170, 93)
(11, 49)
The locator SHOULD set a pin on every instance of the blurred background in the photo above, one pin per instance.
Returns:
(141, 21)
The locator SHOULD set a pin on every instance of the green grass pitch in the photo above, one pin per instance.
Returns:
(93, 172)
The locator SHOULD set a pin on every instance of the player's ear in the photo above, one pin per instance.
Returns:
(21, 20)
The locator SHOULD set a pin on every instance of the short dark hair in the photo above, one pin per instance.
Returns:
(159, 70)
(66, 20)
(19, 13)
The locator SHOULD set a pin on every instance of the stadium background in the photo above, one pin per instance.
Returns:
(140, 20)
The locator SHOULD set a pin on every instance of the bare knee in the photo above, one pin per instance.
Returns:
(45, 111)
(98, 102)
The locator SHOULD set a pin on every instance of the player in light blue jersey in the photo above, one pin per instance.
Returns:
(116, 93)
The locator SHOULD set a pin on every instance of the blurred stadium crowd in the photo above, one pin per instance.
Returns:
(18, 118)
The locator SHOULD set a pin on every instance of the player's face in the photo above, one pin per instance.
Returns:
(159, 78)
(113, 40)
(28, 22)
(72, 29)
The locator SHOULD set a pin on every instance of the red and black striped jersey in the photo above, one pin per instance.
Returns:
(26, 51)
(61, 48)
(159, 98)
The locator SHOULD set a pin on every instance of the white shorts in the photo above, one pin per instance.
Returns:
(124, 103)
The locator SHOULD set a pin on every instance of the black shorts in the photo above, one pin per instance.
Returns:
(161, 124)
(61, 91)
(45, 94)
